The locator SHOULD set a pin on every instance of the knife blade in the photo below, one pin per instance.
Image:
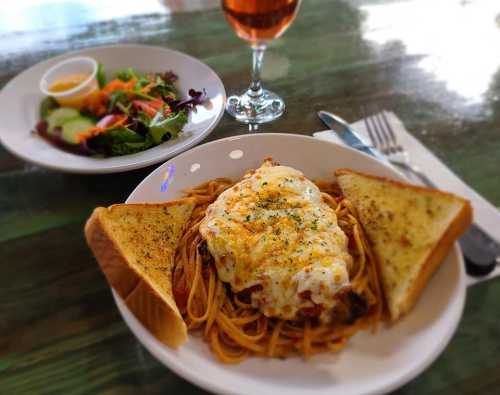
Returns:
(349, 136)
(480, 251)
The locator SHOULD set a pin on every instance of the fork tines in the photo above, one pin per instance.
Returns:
(380, 132)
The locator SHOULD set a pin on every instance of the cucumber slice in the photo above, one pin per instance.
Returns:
(72, 128)
(47, 106)
(60, 116)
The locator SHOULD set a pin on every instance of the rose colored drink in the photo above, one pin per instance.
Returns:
(259, 20)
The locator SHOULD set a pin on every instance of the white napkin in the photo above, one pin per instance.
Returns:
(486, 216)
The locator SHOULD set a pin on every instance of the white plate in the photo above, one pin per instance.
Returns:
(371, 364)
(21, 97)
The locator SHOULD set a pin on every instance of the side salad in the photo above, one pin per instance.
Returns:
(130, 113)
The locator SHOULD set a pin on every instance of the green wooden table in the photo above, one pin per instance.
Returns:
(437, 68)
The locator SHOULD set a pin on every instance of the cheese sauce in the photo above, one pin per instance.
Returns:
(273, 230)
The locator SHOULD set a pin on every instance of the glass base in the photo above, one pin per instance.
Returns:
(266, 108)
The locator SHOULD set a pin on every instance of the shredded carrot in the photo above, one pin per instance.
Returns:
(119, 122)
(147, 88)
(95, 131)
(117, 84)
(88, 133)
(97, 103)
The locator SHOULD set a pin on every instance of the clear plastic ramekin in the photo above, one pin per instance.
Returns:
(75, 96)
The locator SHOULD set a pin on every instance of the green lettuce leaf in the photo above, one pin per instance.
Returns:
(122, 134)
(101, 76)
(117, 97)
(126, 75)
(47, 105)
(130, 148)
(163, 129)
(119, 141)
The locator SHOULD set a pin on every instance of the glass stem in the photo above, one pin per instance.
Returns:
(255, 90)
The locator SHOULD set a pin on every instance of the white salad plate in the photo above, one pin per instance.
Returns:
(371, 363)
(20, 101)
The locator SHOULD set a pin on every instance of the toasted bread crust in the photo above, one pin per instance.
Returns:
(416, 188)
(439, 253)
(441, 247)
(161, 317)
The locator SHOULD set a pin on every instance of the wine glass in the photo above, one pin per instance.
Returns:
(258, 22)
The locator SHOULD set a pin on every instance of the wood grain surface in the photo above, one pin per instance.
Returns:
(60, 332)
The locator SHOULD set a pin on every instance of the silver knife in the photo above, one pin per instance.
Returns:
(480, 251)
(348, 136)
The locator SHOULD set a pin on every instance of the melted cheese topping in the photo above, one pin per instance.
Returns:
(273, 230)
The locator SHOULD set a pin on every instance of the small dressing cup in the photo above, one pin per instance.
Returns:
(75, 95)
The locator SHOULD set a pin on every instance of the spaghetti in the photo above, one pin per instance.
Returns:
(235, 329)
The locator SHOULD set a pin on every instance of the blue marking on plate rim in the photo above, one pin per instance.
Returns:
(169, 174)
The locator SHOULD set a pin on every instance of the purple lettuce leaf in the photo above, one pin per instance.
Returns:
(169, 77)
(195, 98)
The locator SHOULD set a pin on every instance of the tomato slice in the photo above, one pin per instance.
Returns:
(151, 107)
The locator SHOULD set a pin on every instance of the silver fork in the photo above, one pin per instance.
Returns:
(481, 252)
(383, 138)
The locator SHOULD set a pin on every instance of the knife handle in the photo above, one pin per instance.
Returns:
(480, 252)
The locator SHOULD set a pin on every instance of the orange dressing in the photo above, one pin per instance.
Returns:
(76, 100)
(67, 82)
